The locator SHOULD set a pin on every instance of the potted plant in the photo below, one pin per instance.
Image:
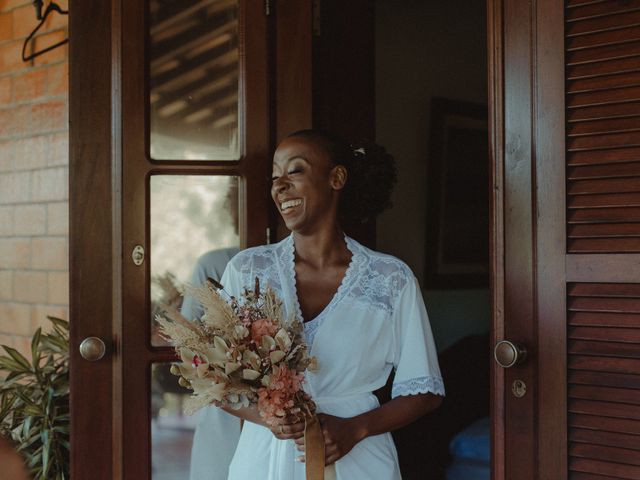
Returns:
(34, 402)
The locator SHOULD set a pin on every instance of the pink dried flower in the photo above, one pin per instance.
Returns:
(276, 400)
(262, 327)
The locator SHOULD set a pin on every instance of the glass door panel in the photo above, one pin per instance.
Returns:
(193, 66)
(194, 233)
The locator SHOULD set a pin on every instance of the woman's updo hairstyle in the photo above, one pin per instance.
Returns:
(371, 174)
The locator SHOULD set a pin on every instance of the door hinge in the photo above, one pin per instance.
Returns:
(268, 7)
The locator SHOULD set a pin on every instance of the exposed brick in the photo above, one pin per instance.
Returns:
(6, 29)
(58, 79)
(39, 315)
(7, 153)
(5, 90)
(30, 220)
(58, 218)
(6, 285)
(6, 221)
(48, 39)
(58, 149)
(50, 184)
(15, 252)
(23, 345)
(15, 121)
(30, 86)
(7, 340)
(11, 56)
(24, 21)
(58, 288)
(49, 116)
(7, 5)
(31, 153)
(50, 253)
(30, 287)
(15, 318)
(14, 187)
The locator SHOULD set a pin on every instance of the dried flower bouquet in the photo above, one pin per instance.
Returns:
(241, 352)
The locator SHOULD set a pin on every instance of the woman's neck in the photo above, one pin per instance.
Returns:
(322, 248)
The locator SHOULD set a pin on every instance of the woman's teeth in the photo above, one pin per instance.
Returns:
(289, 204)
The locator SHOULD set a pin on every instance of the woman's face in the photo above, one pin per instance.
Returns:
(305, 184)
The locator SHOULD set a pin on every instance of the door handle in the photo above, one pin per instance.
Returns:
(92, 349)
(508, 354)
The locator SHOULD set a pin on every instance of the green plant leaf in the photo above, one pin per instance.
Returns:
(12, 365)
(64, 324)
(18, 357)
(35, 343)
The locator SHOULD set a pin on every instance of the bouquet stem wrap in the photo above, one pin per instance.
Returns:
(314, 451)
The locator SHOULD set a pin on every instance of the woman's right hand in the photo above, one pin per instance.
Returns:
(290, 428)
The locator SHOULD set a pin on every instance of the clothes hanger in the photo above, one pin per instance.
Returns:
(52, 7)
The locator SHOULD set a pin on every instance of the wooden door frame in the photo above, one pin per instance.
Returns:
(94, 233)
(526, 125)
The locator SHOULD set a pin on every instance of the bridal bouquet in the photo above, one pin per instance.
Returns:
(241, 352)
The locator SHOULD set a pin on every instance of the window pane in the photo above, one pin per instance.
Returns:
(171, 430)
(194, 233)
(193, 79)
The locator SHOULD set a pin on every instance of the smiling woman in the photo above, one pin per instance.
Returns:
(362, 310)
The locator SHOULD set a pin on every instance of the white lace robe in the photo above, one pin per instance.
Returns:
(376, 321)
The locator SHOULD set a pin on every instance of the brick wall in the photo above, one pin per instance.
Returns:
(34, 277)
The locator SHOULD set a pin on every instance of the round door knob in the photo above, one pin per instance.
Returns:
(508, 354)
(92, 349)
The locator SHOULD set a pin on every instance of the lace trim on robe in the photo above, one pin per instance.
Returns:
(418, 385)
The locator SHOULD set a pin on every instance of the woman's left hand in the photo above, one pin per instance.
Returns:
(340, 436)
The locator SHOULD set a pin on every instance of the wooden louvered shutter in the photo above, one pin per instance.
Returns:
(602, 69)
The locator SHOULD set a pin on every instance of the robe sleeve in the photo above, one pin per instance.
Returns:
(415, 356)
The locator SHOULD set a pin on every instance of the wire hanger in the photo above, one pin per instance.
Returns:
(52, 7)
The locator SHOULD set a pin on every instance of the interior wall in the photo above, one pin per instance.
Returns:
(426, 49)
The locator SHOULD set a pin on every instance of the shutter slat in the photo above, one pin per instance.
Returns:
(596, 84)
(605, 394)
(603, 230)
(604, 215)
(604, 409)
(604, 364)
(589, 319)
(623, 290)
(590, 476)
(597, 347)
(609, 439)
(613, 21)
(603, 53)
(613, 140)
(600, 9)
(604, 126)
(617, 185)
(604, 200)
(603, 156)
(609, 67)
(603, 112)
(611, 37)
(625, 472)
(604, 304)
(604, 171)
(619, 380)
(607, 424)
(609, 245)
(610, 454)
(603, 97)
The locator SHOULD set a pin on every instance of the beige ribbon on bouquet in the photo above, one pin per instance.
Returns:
(314, 451)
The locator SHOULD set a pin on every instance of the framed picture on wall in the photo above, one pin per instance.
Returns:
(457, 248)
